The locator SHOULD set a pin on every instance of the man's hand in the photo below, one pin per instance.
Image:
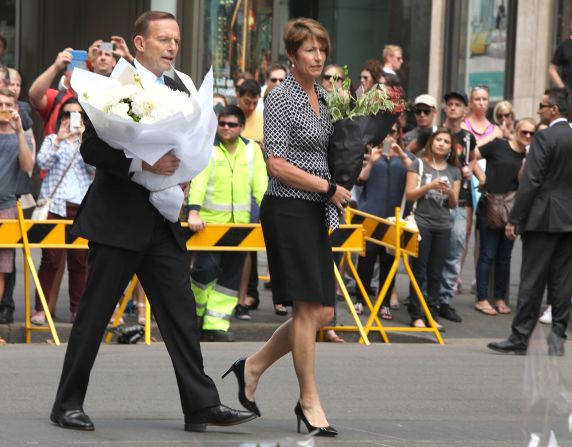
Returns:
(63, 59)
(16, 122)
(194, 221)
(509, 231)
(93, 50)
(166, 165)
(121, 48)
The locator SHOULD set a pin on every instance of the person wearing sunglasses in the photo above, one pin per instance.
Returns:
(274, 76)
(504, 160)
(392, 59)
(542, 216)
(425, 109)
(66, 182)
(504, 117)
(369, 76)
(333, 77)
(221, 194)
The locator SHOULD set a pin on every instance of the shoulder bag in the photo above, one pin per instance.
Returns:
(498, 207)
(43, 204)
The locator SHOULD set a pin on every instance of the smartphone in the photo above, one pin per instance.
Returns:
(444, 179)
(75, 120)
(79, 60)
(387, 143)
(108, 47)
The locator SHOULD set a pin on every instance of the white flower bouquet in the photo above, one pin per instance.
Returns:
(148, 121)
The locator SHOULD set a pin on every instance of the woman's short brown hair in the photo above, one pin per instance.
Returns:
(298, 30)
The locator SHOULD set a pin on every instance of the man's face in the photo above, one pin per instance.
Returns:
(545, 110)
(275, 78)
(395, 60)
(7, 105)
(103, 63)
(228, 129)
(157, 50)
(424, 115)
(247, 103)
(454, 109)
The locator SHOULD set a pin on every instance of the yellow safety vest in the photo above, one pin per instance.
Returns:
(223, 189)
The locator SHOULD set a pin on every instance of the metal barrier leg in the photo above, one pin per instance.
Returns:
(122, 305)
(29, 264)
(350, 306)
(422, 301)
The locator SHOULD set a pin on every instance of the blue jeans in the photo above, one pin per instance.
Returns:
(495, 248)
(452, 264)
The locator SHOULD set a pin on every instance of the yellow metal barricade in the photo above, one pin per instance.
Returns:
(28, 234)
(394, 235)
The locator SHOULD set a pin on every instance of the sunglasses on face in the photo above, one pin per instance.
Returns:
(392, 131)
(423, 111)
(275, 80)
(527, 133)
(504, 115)
(327, 77)
(227, 124)
(542, 106)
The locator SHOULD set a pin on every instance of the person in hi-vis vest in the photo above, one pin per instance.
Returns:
(221, 194)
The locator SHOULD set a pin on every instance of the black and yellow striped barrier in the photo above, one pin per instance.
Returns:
(392, 234)
(28, 234)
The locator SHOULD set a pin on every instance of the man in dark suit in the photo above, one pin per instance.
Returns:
(128, 235)
(542, 214)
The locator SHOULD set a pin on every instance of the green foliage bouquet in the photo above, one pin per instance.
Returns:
(358, 122)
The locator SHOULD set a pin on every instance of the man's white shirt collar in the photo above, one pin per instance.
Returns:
(557, 120)
(147, 77)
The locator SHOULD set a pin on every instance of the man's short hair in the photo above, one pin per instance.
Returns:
(142, 23)
(9, 93)
(388, 50)
(233, 110)
(275, 66)
(249, 88)
(559, 97)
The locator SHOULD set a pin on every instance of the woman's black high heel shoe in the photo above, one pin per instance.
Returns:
(238, 369)
(321, 431)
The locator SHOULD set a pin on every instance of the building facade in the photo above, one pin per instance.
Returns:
(506, 44)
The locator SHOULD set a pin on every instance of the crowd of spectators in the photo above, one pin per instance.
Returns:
(442, 168)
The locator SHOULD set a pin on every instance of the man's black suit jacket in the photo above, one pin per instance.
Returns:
(116, 211)
(544, 199)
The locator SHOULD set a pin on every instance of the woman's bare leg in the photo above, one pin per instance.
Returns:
(297, 335)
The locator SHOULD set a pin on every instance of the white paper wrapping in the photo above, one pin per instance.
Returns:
(188, 137)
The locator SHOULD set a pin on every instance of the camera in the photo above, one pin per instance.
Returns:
(108, 47)
(79, 60)
(75, 120)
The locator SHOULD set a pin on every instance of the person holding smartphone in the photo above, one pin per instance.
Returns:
(383, 181)
(66, 182)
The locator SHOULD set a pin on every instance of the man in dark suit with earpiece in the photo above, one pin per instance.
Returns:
(127, 235)
(542, 214)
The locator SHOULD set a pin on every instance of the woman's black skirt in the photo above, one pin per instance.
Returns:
(298, 249)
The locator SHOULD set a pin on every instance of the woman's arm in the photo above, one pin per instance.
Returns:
(412, 190)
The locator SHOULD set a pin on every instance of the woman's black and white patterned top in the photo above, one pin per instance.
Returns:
(293, 131)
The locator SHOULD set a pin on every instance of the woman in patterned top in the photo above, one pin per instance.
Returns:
(299, 205)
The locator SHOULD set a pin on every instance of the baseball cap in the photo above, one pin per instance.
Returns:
(426, 99)
(457, 94)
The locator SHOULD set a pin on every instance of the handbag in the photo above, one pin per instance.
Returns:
(43, 204)
(498, 207)
(409, 222)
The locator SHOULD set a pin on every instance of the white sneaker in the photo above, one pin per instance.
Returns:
(546, 317)
(358, 308)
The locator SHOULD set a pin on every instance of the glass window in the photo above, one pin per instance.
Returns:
(238, 37)
(8, 31)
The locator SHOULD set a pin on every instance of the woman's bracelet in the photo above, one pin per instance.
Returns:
(331, 189)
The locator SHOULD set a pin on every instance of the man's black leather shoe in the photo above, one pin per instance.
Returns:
(214, 335)
(74, 419)
(6, 315)
(508, 347)
(220, 415)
